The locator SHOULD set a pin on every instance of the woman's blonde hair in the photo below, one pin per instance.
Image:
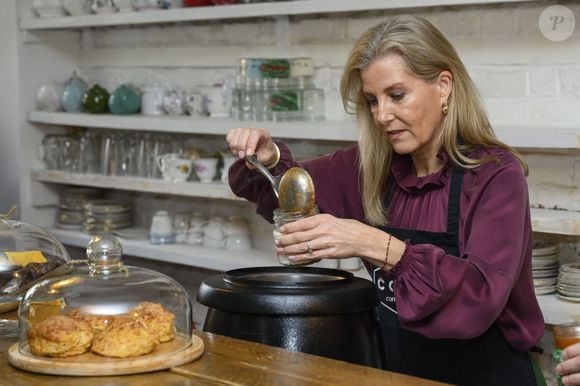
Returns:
(426, 52)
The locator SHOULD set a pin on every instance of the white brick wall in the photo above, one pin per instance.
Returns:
(524, 77)
(515, 67)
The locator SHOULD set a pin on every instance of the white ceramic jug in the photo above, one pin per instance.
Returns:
(174, 168)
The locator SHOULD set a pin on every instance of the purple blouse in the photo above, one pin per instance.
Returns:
(438, 295)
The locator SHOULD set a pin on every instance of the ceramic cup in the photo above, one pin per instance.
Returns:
(174, 168)
(174, 103)
(215, 102)
(161, 230)
(194, 103)
(214, 229)
(48, 97)
(238, 242)
(152, 100)
(205, 168)
(197, 222)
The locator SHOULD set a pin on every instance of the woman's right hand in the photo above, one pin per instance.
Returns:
(247, 141)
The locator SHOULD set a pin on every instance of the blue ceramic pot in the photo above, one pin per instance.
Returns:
(125, 100)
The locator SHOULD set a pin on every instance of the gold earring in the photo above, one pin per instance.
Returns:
(445, 108)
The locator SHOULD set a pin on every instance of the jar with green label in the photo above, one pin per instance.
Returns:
(285, 100)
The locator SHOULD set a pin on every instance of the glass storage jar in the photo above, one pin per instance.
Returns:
(104, 292)
(564, 335)
(282, 217)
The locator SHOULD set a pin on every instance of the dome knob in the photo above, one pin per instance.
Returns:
(101, 247)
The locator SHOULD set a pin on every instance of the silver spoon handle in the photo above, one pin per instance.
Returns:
(262, 169)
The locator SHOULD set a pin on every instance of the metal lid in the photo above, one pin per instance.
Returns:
(288, 291)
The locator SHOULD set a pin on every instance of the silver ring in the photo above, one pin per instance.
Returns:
(309, 250)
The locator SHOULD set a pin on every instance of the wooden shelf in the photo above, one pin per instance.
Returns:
(554, 137)
(240, 11)
(214, 189)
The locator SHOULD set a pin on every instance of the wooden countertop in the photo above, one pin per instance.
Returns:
(225, 361)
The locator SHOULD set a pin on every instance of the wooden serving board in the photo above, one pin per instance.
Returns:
(164, 356)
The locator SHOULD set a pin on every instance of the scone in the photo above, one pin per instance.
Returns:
(157, 319)
(124, 337)
(60, 336)
(97, 322)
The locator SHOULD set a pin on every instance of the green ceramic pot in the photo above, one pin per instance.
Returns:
(96, 100)
(125, 100)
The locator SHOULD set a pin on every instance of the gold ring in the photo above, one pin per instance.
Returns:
(309, 250)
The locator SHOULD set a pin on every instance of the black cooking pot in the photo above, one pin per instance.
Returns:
(320, 311)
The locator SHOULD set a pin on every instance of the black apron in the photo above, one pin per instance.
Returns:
(486, 360)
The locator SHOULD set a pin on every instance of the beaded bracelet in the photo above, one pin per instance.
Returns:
(387, 254)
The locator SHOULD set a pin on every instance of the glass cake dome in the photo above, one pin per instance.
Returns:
(117, 302)
(27, 253)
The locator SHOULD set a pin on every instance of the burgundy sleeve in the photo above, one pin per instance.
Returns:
(444, 296)
(335, 178)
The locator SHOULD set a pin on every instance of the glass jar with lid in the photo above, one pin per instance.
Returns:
(127, 319)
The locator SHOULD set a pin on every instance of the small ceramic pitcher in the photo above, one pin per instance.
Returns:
(174, 168)
(152, 100)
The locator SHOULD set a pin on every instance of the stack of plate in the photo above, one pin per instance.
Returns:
(545, 267)
(105, 216)
(70, 213)
(569, 282)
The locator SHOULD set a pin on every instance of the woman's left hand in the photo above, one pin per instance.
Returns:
(327, 237)
(569, 369)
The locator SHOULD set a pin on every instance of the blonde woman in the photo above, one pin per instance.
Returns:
(435, 205)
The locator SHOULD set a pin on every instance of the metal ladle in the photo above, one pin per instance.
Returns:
(294, 189)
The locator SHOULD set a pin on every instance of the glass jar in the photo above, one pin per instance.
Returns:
(246, 95)
(564, 335)
(285, 99)
(282, 217)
